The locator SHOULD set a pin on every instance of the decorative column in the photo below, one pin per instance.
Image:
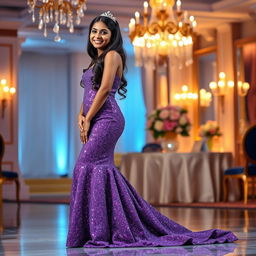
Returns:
(149, 83)
(225, 58)
(9, 52)
(179, 76)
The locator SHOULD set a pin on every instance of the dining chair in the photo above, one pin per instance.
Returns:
(8, 176)
(247, 173)
(152, 147)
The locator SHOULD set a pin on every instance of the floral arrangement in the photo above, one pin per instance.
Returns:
(169, 119)
(209, 129)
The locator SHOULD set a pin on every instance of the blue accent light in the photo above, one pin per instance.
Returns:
(133, 108)
(62, 224)
(43, 115)
(60, 132)
(61, 156)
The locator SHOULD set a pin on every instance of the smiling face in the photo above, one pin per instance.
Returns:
(100, 36)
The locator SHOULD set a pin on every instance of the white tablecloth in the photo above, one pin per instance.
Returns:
(177, 177)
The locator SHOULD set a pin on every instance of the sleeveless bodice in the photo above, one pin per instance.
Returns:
(89, 93)
(87, 82)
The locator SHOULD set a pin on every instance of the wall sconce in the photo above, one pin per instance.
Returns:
(185, 96)
(6, 94)
(205, 98)
(220, 88)
(242, 88)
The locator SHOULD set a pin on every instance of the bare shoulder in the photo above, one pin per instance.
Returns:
(113, 57)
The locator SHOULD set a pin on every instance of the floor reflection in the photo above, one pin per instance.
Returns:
(209, 250)
(43, 232)
(10, 218)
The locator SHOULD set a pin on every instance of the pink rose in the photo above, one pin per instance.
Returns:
(164, 114)
(178, 130)
(169, 125)
(183, 120)
(212, 131)
(158, 125)
(174, 114)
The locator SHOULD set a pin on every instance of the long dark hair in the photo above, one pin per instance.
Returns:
(116, 44)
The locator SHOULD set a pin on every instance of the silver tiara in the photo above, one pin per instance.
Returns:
(109, 15)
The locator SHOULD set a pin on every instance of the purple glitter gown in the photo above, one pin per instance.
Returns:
(105, 210)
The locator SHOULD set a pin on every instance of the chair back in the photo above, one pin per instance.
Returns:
(152, 147)
(249, 146)
(1, 151)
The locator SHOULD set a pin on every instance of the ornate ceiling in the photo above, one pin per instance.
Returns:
(208, 13)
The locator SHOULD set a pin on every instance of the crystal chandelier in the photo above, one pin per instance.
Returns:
(168, 32)
(57, 12)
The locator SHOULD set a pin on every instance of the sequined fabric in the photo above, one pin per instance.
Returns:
(105, 210)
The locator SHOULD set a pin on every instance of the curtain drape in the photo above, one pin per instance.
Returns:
(249, 56)
(134, 111)
(43, 115)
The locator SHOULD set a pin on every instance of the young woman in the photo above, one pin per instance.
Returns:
(105, 210)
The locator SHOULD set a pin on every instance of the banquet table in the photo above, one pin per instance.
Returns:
(163, 178)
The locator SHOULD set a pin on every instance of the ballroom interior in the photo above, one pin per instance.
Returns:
(189, 143)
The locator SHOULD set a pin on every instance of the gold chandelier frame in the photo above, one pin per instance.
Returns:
(155, 27)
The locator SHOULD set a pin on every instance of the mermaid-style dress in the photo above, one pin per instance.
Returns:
(105, 210)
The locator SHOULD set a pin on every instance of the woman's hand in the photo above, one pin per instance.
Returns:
(81, 119)
(84, 131)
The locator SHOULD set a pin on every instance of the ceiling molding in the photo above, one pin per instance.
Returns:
(228, 4)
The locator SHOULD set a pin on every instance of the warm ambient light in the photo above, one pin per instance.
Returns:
(6, 93)
(185, 96)
(205, 98)
(167, 31)
(12, 90)
(220, 88)
(222, 75)
(3, 82)
(243, 88)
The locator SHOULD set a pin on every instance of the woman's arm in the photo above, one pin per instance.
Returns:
(111, 63)
(81, 121)
(80, 118)
(81, 109)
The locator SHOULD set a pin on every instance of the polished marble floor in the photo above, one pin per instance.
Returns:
(43, 227)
